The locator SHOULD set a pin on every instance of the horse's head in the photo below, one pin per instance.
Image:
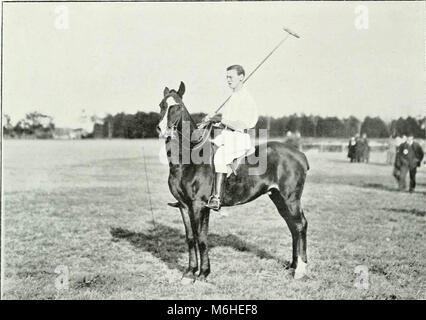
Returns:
(172, 111)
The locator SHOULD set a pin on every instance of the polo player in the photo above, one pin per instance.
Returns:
(240, 114)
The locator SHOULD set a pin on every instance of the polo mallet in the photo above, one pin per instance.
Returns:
(288, 33)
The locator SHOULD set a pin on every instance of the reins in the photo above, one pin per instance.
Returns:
(199, 144)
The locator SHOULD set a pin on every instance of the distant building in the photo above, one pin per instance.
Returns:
(103, 126)
(98, 131)
(69, 134)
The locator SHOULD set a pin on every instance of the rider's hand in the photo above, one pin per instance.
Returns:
(206, 118)
(205, 122)
(215, 118)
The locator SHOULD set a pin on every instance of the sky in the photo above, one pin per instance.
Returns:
(118, 57)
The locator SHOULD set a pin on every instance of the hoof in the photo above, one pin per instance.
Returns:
(301, 269)
(300, 276)
(188, 277)
(202, 281)
(202, 278)
(186, 281)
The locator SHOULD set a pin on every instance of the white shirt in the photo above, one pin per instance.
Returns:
(241, 107)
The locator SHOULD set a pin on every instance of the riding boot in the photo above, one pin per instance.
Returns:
(214, 201)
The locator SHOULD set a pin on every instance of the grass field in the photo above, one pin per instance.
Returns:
(84, 205)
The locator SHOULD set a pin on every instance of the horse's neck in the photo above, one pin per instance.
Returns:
(183, 141)
(186, 117)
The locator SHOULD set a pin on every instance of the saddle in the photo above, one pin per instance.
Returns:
(233, 166)
(233, 170)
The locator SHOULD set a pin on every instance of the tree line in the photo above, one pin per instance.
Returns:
(34, 124)
(143, 125)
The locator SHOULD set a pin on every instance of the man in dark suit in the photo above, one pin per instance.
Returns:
(409, 156)
(352, 149)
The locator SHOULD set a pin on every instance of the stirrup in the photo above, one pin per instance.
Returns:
(214, 203)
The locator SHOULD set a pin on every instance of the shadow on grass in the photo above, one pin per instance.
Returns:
(382, 187)
(381, 164)
(355, 182)
(379, 186)
(416, 212)
(168, 244)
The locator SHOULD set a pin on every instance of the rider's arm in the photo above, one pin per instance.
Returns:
(235, 125)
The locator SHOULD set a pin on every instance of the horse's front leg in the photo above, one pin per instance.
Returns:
(191, 241)
(203, 228)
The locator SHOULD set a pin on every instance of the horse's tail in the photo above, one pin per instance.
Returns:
(307, 162)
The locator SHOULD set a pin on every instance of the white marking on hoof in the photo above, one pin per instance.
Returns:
(204, 283)
(301, 269)
(186, 281)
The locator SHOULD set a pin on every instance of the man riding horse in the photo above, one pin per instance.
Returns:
(240, 114)
(190, 182)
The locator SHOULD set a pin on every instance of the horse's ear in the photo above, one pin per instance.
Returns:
(181, 90)
(166, 91)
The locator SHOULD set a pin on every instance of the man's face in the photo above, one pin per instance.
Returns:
(233, 79)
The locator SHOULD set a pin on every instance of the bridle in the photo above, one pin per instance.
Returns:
(173, 128)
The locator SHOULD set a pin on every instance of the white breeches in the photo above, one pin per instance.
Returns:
(232, 144)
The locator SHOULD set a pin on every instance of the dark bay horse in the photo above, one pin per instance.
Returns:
(191, 184)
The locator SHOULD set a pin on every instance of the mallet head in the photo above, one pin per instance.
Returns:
(294, 34)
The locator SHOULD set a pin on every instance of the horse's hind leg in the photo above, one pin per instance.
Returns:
(292, 213)
(191, 241)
